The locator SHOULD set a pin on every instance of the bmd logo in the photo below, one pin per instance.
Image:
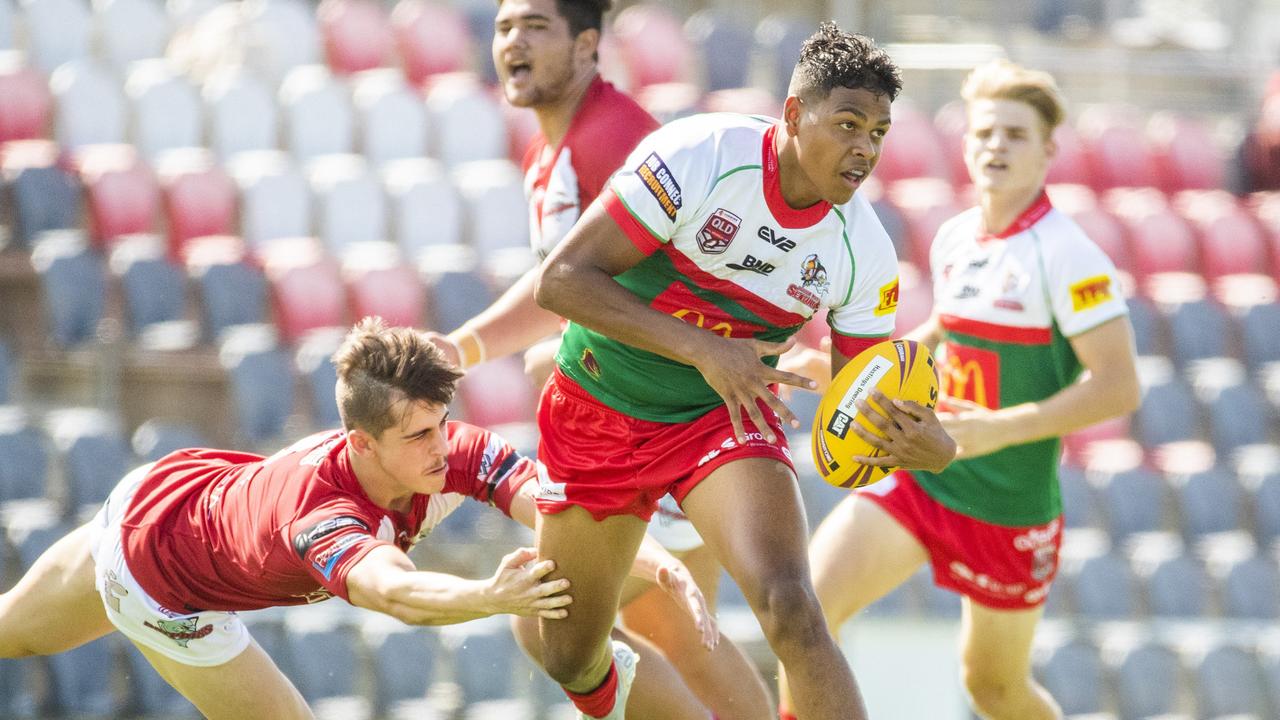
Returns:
(718, 231)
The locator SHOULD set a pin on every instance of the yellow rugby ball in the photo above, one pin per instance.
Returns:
(901, 369)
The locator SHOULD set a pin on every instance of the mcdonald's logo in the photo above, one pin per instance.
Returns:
(971, 374)
(1090, 292)
(696, 317)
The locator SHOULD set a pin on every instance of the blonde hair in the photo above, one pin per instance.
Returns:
(1005, 80)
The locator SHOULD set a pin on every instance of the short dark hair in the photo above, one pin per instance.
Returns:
(583, 14)
(833, 58)
(380, 367)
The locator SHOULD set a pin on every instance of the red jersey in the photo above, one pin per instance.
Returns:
(224, 530)
(560, 182)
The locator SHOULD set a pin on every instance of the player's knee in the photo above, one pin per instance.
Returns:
(567, 662)
(525, 630)
(990, 695)
(789, 611)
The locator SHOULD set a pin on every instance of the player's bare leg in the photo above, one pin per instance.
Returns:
(658, 692)
(248, 686)
(995, 664)
(847, 579)
(748, 512)
(724, 679)
(595, 557)
(54, 607)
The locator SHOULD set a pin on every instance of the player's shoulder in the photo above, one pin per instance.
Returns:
(1058, 232)
(867, 236)
(723, 133)
(957, 230)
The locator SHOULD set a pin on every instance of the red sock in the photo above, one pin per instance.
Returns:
(784, 715)
(599, 702)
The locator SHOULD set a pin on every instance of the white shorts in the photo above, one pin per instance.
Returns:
(200, 639)
(672, 529)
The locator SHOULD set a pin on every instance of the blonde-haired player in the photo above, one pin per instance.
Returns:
(1025, 303)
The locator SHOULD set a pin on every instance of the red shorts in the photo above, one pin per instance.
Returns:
(1007, 568)
(610, 463)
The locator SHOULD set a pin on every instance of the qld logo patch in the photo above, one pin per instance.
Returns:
(718, 231)
(660, 183)
(1090, 293)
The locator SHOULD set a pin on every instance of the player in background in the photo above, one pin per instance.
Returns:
(1033, 341)
(184, 543)
(716, 241)
(545, 52)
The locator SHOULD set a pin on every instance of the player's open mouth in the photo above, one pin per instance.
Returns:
(854, 177)
(519, 70)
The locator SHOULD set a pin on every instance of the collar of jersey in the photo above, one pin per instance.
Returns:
(787, 216)
(1036, 210)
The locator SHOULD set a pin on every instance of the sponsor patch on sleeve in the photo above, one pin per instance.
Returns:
(1090, 292)
(660, 183)
(303, 541)
(888, 298)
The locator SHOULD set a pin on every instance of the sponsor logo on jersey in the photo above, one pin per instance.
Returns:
(718, 231)
(768, 235)
(315, 596)
(754, 264)
(327, 559)
(809, 299)
(303, 541)
(548, 490)
(813, 275)
(888, 298)
(181, 631)
(971, 374)
(661, 184)
(963, 572)
(1090, 292)
(967, 291)
(839, 424)
(589, 363)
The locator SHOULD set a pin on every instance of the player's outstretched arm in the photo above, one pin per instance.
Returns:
(512, 324)
(576, 282)
(385, 580)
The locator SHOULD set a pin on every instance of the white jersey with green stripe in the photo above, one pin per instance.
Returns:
(700, 198)
(1008, 305)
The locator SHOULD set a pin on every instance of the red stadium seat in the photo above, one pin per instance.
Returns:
(1071, 162)
(925, 203)
(912, 148)
(122, 194)
(1160, 240)
(950, 122)
(497, 392)
(25, 102)
(1231, 240)
(306, 287)
(1081, 204)
(671, 100)
(653, 44)
(379, 282)
(199, 197)
(432, 38)
(1117, 151)
(1185, 154)
(1266, 207)
(356, 35)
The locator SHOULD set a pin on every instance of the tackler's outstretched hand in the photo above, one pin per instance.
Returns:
(734, 369)
(913, 436)
(519, 587)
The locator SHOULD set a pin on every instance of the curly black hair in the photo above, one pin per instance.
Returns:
(833, 58)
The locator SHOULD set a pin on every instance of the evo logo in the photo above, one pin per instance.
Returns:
(779, 241)
(754, 264)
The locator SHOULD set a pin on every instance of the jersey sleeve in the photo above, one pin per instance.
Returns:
(661, 185)
(1082, 285)
(485, 467)
(869, 306)
(330, 540)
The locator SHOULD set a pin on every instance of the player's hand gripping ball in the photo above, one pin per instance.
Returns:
(901, 369)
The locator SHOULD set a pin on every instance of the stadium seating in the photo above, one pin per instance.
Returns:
(912, 149)
(319, 375)
(653, 44)
(432, 38)
(57, 32)
(1160, 240)
(156, 438)
(327, 668)
(1148, 326)
(242, 113)
(149, 694)
(1229, 683)
(25, 102)
(1117, 149)
(1104, 588)
(1169, 411)
(356, 34)
(1259, 470)
(154, 287)
(1185, 153)
(464, 121)
(73, 285)
(199, 197)
(85, 680)
(925, 203)
(778, 38)
(347, 200)
(274, 199)
(1079, 507)
(92, 452)
(130, 30)
(1147, 679)
(232, 290)
(261, 380)
(24, 456)
(91, 106)
(121, 192)
(391, 117)
(316, 114)
(455, 296)
(165, 108)
(722, 42)
(1176, 583)
(380, 283)
(497, 392)
(1072, 672)
(1198, 330)
(1260, 342)
(1133, 499)
(1248, 582)
(485, 658)
(41, 195)
(1071, 163)
(1231, 240)
(306, 287)
(403, 664)
(1209, 501)
(493, 199)
(7, 12)
(424, 209)
(282, 35)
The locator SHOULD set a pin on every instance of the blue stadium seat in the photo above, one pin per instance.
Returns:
(1179, 587)
(1073, 673)
(1239, 415)
(1168, 413)
(327, 668)
(149, 694)
(1208, 501)
(457, 296)
(85, 680)
(1148, 326)
(1198, 329)
(156, 438)
(1261, 342)
(232, 290)
(1105, 589)
(74, 287)
(778, 38)
(485, 658)
(44, 197)
(403, 661)
(1264, 504)
(723, 44)
(155, 289)
(1079, 508)
(1251, 589)
(24, 456)
(261, 380)
(1133, 501)
(319, 375)
(1229, 682)
(94, 454)
(1147, 678)
(19, 696)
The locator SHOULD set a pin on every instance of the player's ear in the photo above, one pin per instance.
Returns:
(360, 441)
(587, 45)
(791, 114)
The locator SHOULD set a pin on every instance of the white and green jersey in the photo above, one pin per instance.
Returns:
(1008, 305)
(700, 198)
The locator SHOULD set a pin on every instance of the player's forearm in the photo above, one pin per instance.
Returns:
(927, 333)
(1090, 401)
(510, 325)
(650, 558)
(429, 598)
